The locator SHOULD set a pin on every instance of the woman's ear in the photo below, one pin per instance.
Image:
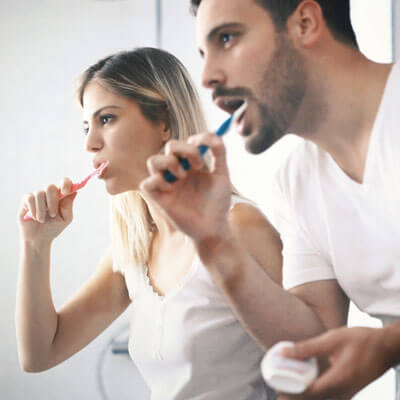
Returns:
(166, 133)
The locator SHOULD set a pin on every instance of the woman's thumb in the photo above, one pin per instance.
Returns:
(66, 207)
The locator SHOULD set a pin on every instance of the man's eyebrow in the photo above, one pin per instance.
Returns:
(214, 32)
(96, 113)
(227, 25)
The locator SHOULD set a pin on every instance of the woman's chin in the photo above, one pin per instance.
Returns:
(113, 189)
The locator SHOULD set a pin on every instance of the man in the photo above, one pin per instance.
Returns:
(297, 66)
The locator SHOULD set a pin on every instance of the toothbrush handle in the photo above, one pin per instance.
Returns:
(171, 178)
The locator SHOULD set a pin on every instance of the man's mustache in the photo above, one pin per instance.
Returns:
(221, 91)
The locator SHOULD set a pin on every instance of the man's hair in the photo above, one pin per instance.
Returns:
(336, 14)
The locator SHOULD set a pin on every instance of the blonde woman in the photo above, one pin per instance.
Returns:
(185, 338)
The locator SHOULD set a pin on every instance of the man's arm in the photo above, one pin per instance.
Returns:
(198, 203)
(268, 312)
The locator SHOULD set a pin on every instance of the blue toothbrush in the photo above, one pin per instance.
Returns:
(171, 178)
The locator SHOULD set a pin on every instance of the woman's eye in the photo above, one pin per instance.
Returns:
(225, 38)
(105, 119)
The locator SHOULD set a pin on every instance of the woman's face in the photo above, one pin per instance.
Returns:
(118, 132)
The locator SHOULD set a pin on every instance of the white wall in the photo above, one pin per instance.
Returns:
(45, 45)
(396, 29)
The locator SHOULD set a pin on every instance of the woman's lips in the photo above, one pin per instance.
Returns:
(103, 171)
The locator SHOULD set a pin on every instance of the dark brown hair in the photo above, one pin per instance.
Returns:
(336, 14)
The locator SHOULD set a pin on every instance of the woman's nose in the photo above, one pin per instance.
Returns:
(94, 141)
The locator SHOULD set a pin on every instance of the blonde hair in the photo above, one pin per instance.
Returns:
(161, 86)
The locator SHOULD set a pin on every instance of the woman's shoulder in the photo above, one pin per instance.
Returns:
(244, 211)
(258, 235)
(247, 218)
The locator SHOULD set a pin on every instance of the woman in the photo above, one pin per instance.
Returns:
(185, 339)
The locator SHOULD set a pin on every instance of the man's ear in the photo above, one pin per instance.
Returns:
(305, 26)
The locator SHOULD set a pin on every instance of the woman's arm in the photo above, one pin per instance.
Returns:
(47, 337)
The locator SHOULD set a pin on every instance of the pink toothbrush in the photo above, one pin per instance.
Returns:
(76, 186)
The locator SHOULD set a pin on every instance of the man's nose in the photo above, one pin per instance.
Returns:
(212, 75)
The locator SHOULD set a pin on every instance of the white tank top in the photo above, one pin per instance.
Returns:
(188, 344)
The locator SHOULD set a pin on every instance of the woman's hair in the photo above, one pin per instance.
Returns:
(161, 86)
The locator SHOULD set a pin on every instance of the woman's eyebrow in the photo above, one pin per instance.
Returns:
(96, 113)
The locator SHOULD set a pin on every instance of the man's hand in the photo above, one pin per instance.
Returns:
(198, 202)
(357, 357)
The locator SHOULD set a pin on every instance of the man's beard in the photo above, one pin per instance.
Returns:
(283, 86)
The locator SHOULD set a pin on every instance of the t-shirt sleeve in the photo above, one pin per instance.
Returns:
(302, 261)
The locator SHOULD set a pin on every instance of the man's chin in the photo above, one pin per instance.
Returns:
(257, 143)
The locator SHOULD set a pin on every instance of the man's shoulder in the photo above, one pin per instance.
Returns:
(299, 165)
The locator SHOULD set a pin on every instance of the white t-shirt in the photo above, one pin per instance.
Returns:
(335, 228)
(188, 344)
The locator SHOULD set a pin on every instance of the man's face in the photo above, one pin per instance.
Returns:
(246, 59)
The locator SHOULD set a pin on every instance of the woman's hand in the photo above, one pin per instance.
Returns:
(50, 215)
(198, 202)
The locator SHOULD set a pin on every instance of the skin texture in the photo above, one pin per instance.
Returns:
(323, 98)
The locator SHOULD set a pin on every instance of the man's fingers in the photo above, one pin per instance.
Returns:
(185, 150)
(154, 185)
(329, 385)
(316, 347)
(159, 163)
(216, 148)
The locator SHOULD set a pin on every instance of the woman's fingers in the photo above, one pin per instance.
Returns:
(41, 206)
(45, 203)
(30, 204)
(65, 187)
(52, 199)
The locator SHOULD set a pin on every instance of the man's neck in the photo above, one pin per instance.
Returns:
(347, 96)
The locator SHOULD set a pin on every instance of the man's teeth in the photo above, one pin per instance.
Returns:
(240, 111)
(232, 105)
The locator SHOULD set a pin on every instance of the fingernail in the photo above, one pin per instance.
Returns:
(287, 352)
